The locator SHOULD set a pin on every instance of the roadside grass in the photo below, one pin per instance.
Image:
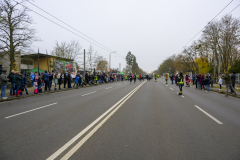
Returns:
(236, 89)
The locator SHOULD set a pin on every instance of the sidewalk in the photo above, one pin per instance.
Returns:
(221, 91)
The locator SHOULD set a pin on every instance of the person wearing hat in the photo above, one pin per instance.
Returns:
(3, 83)
(227, 79)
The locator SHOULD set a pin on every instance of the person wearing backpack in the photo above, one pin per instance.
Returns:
(12, 79)
(3, 84)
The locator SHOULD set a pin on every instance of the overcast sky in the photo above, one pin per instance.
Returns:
(151, 29)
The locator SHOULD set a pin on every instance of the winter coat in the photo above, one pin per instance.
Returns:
(200, 79)
(46, 76)
(207, 80)
(24, 81)
(32, 77)
(233, 79)
(227, 79)
(65, 77)
(56, 79)
(3, 80)
(220, 81)
(18, 79)
(51, 77)
(69, 78)
(86, 76)
(11, 77)
(60, 80)
(193, 78)
(76, 79)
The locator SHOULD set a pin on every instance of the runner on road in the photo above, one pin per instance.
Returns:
(166, 77)
(180, 82)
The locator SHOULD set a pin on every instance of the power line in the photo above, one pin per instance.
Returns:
(208, 23)
(67, 25)
(119, 55)
(71, 27)
(62, 26)
(234, 9)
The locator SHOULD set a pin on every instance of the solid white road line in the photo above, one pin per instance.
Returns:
(31, 110)
(108, 88)
(171, 88)
(208, 115)
(183, 97)
(89, 93)
(74, 139)
(79, 144)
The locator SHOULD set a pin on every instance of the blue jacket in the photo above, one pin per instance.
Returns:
(76, 79)
(46, 76)
(193, 78)
(32, 77)
(24, 81)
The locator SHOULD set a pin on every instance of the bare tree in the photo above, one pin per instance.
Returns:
(102, 65)
(91, 58)
(15, 32)
(71, 50)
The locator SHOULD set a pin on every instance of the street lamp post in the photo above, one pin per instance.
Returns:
(110, 60)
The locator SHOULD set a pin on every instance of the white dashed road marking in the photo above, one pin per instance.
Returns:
(31, 110)
(89, 93)
(208, 115)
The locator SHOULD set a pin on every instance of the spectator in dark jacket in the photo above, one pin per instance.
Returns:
(12, 79)
(207, 81)
(46, 79)
(60, 81)
(3, 84)
(87, 78)
(18, 78)
(233, 79)
(50, 81)
(65, 79)
(69, 78)
(24, 83)
(193, 79)
(228, 83)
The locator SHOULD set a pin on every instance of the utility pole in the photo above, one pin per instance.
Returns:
(38, 61)
(218, 64)
(110, 62)
(84, 63)
(119, 67)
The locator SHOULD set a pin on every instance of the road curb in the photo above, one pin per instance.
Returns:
(224, 92)
(39, 94)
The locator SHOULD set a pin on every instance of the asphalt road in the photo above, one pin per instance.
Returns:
(142, 121)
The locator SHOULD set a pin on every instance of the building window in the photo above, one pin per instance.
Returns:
(27, 61)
